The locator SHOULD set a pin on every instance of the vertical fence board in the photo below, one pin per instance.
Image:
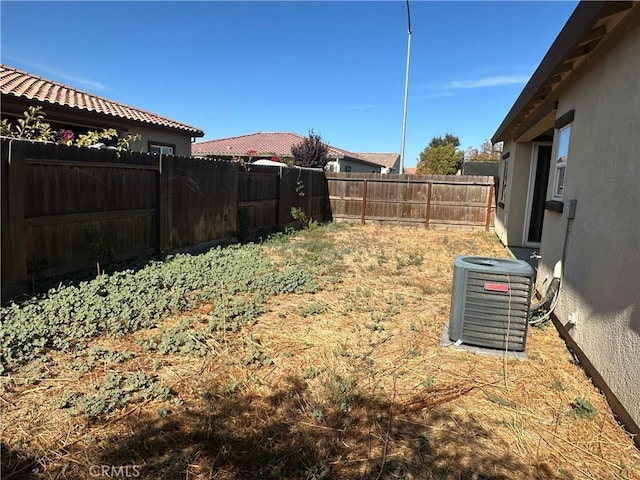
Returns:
(202, 203)
(14, 257)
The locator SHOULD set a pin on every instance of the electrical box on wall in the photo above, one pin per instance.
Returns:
(570, 208)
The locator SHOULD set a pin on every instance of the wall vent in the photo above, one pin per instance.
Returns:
(490, 302)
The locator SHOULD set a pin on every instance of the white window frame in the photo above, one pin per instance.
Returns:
(164, 149)
(560, 165)
(503, 180)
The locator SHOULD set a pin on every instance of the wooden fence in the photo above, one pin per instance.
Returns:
(65, 209)
(267, 196)
(437, 201)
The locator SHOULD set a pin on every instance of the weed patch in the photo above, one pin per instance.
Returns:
(128, 301)
(114, 392)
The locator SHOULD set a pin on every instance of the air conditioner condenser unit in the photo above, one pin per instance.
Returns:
(490, 302)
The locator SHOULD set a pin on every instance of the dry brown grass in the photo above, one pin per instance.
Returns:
(359, 387)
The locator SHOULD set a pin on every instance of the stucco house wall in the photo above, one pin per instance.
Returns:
(347, 165)
(602, 259)
(598, 307)
(180, 141)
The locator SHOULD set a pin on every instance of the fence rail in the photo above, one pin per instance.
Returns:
(437, 201)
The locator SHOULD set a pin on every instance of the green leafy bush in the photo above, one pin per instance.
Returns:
(32, 126)
(129, 300)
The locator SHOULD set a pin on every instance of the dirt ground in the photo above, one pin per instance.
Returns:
(350, 382)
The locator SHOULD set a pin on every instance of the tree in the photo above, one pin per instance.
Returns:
(441, 156)
(310, 152)
(448, 139)
(488, 152)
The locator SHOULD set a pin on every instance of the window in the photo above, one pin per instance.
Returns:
(503, 181)
(161, 148)
(347, 168)
(561, 162)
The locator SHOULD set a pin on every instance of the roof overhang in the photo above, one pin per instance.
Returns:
(588, 25)
(57, 113)
(355, 160)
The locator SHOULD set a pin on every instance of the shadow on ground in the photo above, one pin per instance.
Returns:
(288, 435)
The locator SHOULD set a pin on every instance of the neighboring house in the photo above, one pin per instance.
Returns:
(278, 145)
(410, 170)
(390, 162)
(489, 169)
(71, 109)
(570, 187)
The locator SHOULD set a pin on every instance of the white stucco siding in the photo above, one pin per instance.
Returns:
(602, 263)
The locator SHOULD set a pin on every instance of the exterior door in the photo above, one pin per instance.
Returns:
(538, 193)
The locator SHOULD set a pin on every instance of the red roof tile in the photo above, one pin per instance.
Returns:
(25, 85)
(263, 143)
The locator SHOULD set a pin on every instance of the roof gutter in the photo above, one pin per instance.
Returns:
(581, 21)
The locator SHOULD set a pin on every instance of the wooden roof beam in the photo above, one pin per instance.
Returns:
(614, 8)
(595, 34)
(577, 53)
(564, 68)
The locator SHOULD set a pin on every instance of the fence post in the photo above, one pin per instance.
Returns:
(428, 213)
(278, 196)
(326, 201)
(487, 222)
(14, 252)
(364, 202)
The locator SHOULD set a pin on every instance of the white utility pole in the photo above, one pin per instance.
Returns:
(406, 92)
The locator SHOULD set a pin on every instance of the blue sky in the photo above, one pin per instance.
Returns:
(232, 68)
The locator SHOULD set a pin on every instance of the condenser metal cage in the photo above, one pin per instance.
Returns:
(490, 302)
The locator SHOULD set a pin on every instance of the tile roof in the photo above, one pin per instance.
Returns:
(25, 85)
(264, 143)
(384, 159)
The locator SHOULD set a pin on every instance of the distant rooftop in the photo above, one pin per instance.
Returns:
(263, 144)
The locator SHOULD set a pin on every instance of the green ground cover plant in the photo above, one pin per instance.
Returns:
(126, 301)
(114, 391)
